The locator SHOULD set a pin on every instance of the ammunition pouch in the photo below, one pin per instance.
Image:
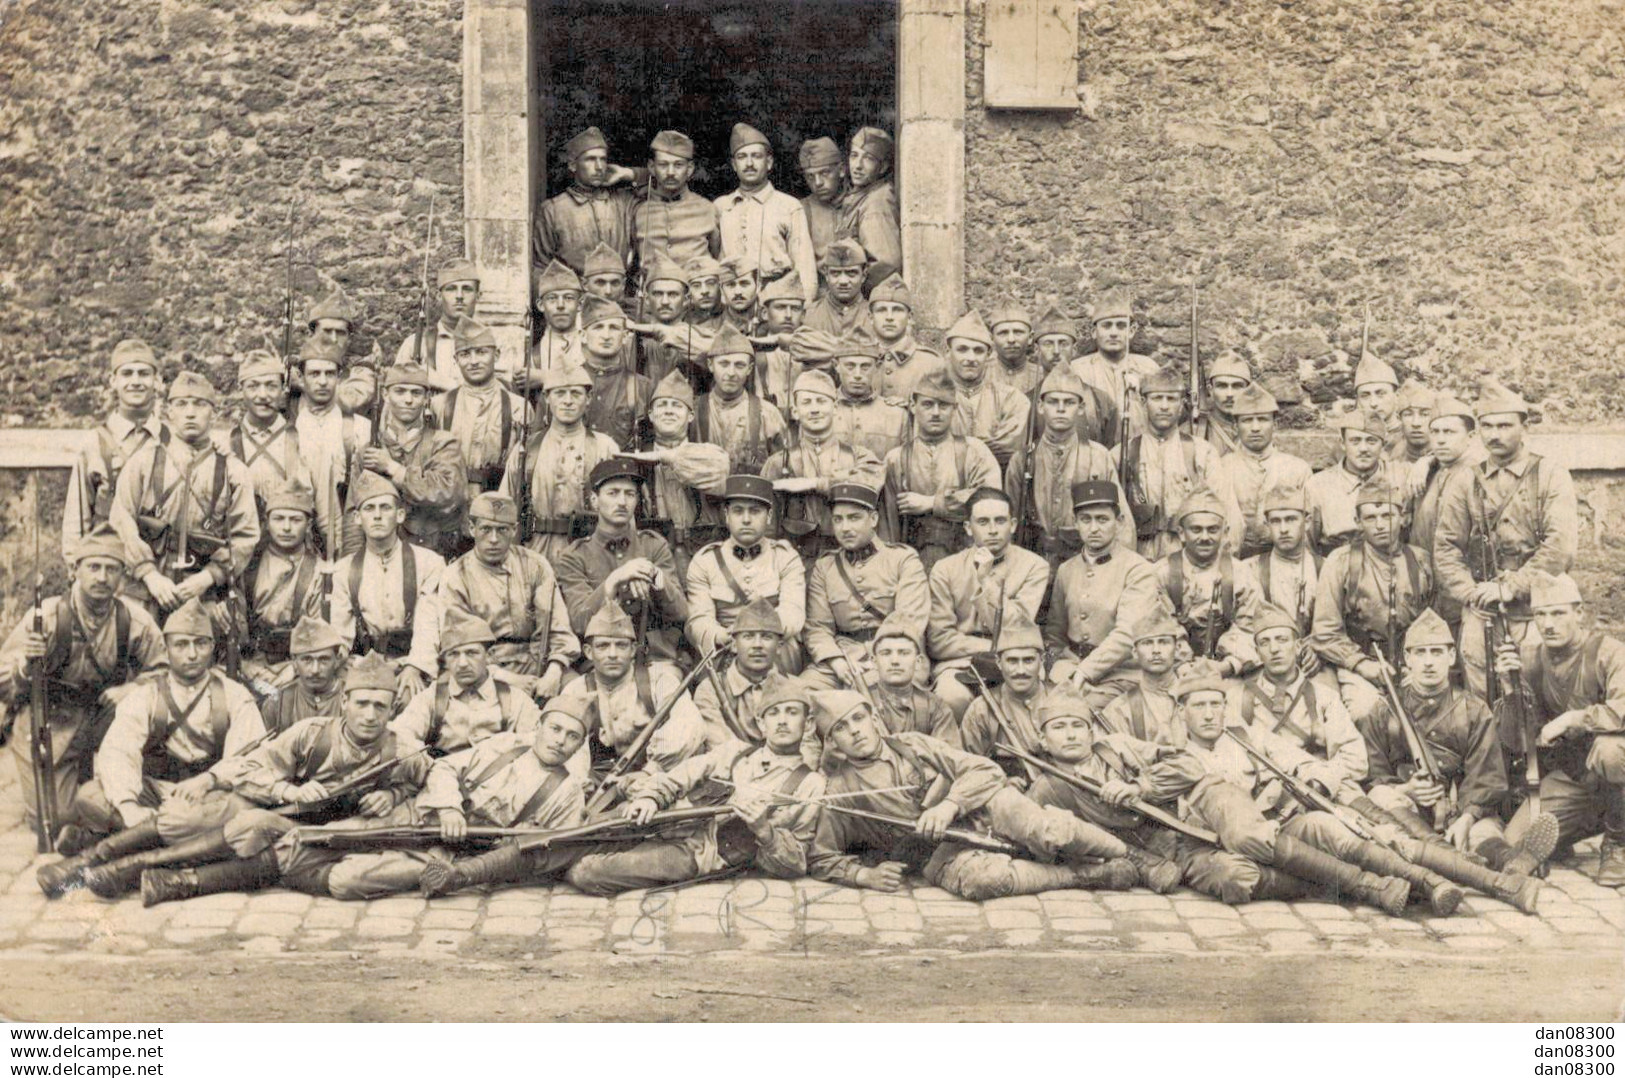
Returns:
(736, 843)
(272, 644)
(392, 644)
(1060, 546)
(1148, 518)
(200, 545)
(932, 531)
(1568, 756)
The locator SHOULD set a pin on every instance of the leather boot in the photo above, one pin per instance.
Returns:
(1117, 874)
(1442, 896)
(119, 877)
(1520, 891)
(1387, 893)
(1405, 822)
(74, 839)
(59, 878)
(1283, 886)
(248, 874)
(497, 866)
(1611, 862)
(1157, 873)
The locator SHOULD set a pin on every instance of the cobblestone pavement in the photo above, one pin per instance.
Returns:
(775, 916)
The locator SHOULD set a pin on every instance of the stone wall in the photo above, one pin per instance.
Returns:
(149, 154)
(1458, 164)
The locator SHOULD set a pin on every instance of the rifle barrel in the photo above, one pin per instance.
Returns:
(1150, 812)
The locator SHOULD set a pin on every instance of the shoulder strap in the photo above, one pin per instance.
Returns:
(301, 585)
(59, 649)
(238, 449)
(792, 781)
(476, 780)
(702, 418)
(504, 702)
(1264, 575)
(640, 678)
(753, 420)
(437, 713)
(555, 779)
(219, 483)
(1136, 711)
(1176, 580)
(728, 576)
(1188, 444)
(354, 586)
(1227, 586)
(451, 407)
(121, 634)
(846, 578)
(320, 751)
(507, 422)
(409, 582)
(155, 482)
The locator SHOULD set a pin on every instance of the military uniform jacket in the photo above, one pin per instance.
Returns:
(1461, 735)
(570, 224)
(624, 709)
(1190, 592)
(950, 470)
(735, 718)
(619, 399)
(1332, 493)
(521, 601)
(1310, 732)
(969, 592)
(872, 423)
(721, 583)
(1023, 379)
(869, 215)
(95, 474)
(1162, 473)
(830, 461)
(292, 702)
(501, 783)
(273, 456)
(748, 427)
(560, 462)
(768, 227)
(390, 603)
(212, 491)
(914, 711)
(979, 731)
(683, 227)
(1146, 713)
(279, 589)
(1358, 588)
(164, 731)
(1093, 608)
(686, 485)
(849, 595)
(447, 717)
(1240, 479)
(901, 367)
(587, 563)
(439, 355)
(1110, 378)
(1163, 772)
(1289, 584)
(487, 422)
(1428, 480)
(1588, 677)
(783, 851)
(434, 487)
(827, 316)
(315, 750)
(328, 441)
(1056, 467)
(822, 221)
(1530, 509)
(995, 416)
(909, 760)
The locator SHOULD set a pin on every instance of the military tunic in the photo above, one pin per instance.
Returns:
(1162, 473)
(1057, 467)
(522, 603)
(950, 469)
(448, 717)
(1146, 712)
(329, 441)
(570, 224)
(1332, 494)
(587, 563)
(278, 589)
(970, 594)
(619, 399)
(850, 593)
(1581, 774)
(1094, 607)
(1289, 583)
(487, 422)
(560, 462)
(1111, 377)
(748, 427)
(433, 488)
(1240, 479)
(830, 461)
(272, 455)
(1462, 738)
(1190, 591)
(95, 474)
(902, 365)
(828, 316)
(823, 220)
(723, 579)
(681, 227)
(980, 730)
(994, 416)
(390, 603)
(768, 228)
(1311, 733)
(869, 215)
(913, 710)
(624, 710)
(871, 423)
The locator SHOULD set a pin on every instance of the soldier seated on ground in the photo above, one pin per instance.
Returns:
(470, 700)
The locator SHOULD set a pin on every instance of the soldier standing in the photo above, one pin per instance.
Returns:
(133, 422)
(384, 594)
(558, 298)
(674, 222)
(934, 472)
(424, 464)
(604, 275)
(184, 510)
(854, 589)
(972, 590)
(595, 209)
(1376, 392)
(620, 397)
(861, 417)
(1100, 597)
(1500, 520)
(1242, 476)
(705, 310)
(995, 416)
(329, 441)
(1332, 490)
(665, 299)
(1228, 378)
(1163, 465)
(728, 575)
(91, 643)
(1014, 366)
(263, 440)
(480, 413)
(1111, 368)
(903, 360)
(688, 475)
(1055, 344)
(1414, 408)
(514, 591)
(760, 222)
(869, 208)
(824, 170)
(805, 471)
(783, 310)
(1455, 451)
(459, 284)
(286, 580)
(1055, 340)
(733, 416)
(740, 284)
(623, 565)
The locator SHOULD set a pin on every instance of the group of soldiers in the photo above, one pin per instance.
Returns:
(764, 583)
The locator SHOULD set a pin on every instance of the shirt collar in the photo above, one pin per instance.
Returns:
(582, 195)
(1517, 465)
(122, 428)
(485, 691)
(278, 424)
(761, 196)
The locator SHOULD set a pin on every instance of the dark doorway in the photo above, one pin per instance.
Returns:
(795, 69)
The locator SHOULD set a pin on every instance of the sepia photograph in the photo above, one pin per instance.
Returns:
(790, 511)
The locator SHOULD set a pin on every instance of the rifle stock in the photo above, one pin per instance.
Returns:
(1422, 753)
(1303, 793)
(41, 750)
(1088, 786)
(353, 785)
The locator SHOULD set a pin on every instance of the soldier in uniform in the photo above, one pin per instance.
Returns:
(728, 575)
(1455, 451)
(1099, 597)
(1163, 464)
(760, 222)
(560, 462)
(312, 683)
(671, 340)
(1376, 393)
(595, 209)
(332, 320)
(972, 590)
(874, 771)
(604, 275)
(815, 461)
(784, 308)
(1061, 460)
(900, 701)
(731, 702)
(773, 793)
(853, 589)
(1014, 366)
(286, 580)
(558, 298)
(385, 595)
(705, 311)
(1369, 590)
(995, 416)
(129, 427)
(688, 476)
(674, 222)
(514, 591)
(184, 510)
(862, 418)
(623, 565)
(1214, 596)
(869, 207)
(1055, 341)
(263, 440)
(1414, 408)
(90, 644)
(824, 170)
(424, 464)
(1288, 570)
(165, 731)
(1500, 520)
(1019, 651)
(470, 700)
(1146, 712)
(486, 419)
(509, 781)
(934, 472)
(620, 397)
(1242, 475)
(732, 415)
(623, 690)
(740, 284)
(841, 308)
(1228, 378)
(1111, 368)
(459, 283)
(329, 440)
(1331, 491)
(903, 360)
(1576, 677)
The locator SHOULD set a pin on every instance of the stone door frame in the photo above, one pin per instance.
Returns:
(504, 136)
